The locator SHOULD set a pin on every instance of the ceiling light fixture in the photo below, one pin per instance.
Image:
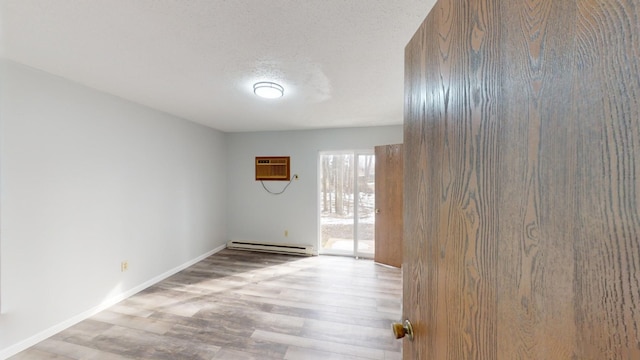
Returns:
(268, 90)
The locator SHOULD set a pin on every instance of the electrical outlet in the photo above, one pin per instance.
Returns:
(295, 176)
(286, 233)
(124, 266)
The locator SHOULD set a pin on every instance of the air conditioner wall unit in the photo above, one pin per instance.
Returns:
(273, 168)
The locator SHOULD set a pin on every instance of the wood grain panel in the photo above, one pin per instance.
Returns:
(535, 260)
(452, 145)
(389, 181)
(607, 226)
(522, 181)
(419, 255)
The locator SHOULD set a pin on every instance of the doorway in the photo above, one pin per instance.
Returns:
(347, 203)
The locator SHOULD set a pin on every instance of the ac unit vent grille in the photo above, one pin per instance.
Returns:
(273, 168)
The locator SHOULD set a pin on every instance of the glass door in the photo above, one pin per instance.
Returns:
(346, 203)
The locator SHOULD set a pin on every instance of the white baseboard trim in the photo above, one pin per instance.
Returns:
(27, 343)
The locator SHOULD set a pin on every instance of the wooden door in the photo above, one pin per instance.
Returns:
(522, 181)
(388, 188)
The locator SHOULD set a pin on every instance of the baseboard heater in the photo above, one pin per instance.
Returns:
(289, 249)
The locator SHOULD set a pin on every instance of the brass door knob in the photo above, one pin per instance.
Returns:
(401, 330)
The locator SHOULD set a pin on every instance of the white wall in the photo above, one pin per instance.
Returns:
(89, 180)
(257, 215)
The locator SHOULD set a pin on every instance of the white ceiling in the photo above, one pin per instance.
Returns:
(341, 61)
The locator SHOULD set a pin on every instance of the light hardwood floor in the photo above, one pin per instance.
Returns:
(246, 305)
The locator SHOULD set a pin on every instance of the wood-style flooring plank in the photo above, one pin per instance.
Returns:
(245, 305)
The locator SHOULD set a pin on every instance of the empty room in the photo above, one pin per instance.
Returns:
(336, 179)
(129, 138)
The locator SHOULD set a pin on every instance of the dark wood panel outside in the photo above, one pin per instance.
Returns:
(389, 181)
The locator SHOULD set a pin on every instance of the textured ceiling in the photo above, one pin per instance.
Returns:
(340, 61)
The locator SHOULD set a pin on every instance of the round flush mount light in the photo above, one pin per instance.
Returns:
(268, 90)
